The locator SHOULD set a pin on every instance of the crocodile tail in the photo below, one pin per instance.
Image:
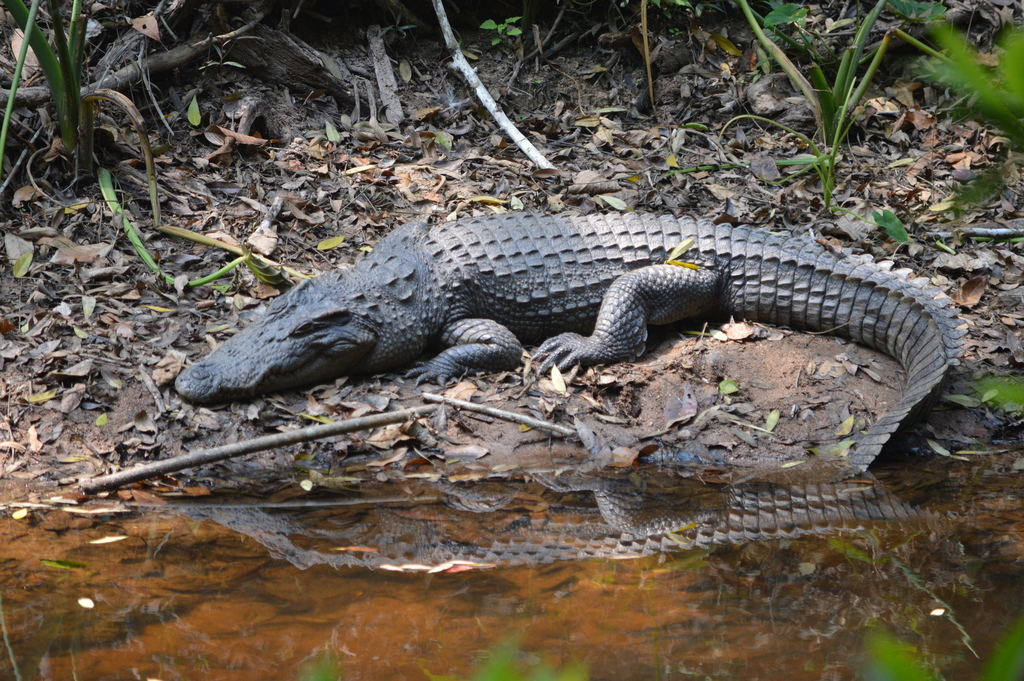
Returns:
(795, 282)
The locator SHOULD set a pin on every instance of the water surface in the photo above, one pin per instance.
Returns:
(399, 579)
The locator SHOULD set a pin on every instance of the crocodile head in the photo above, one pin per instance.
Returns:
(312, 334)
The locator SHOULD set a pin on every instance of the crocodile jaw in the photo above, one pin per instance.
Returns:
(221, 377)
(300, 341)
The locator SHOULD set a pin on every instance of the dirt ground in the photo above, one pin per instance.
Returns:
(92, 339)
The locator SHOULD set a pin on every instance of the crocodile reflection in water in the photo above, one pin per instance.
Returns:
(445, 525)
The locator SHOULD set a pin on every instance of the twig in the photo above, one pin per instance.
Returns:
(272, 213)
(386, 83)
(259, 444)
(500, 414)
(460, 63)
(994, 232)
(541, 43)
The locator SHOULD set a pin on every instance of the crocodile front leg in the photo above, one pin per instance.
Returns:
(658, 294)
(475, 345)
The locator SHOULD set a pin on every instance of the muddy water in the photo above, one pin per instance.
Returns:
(763, 582)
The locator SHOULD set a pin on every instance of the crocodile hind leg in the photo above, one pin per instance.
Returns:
(658, 294)
(475, 345)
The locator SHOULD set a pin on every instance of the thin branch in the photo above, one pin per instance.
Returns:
(500, 414)
(157, 62)
(460, 63)
(259, 444)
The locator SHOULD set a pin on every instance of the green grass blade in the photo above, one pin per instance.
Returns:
(970, 77)
(1011, 69)
(15, 81)
(44, 53)
(889, 660)
(1007, 661)
(72, 87)
(76, 38)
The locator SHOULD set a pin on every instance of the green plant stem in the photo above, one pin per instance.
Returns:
(846, 122)
(15, 81)
(72, 87)
(107, 189)
(210, 278)
(47, 62)
(779, 56)
(914, 42)
(135, 117)
(76, 40)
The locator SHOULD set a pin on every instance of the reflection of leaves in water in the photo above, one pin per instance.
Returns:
(1004, 392)
(324, 668)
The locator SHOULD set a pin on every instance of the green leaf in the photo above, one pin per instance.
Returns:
(786, 14)
(328, 244)
(917, 11)
(195, 116)
(772, 420)
(332, 132)
(890, 660)
(614, 201)
(102, 420)
(728, 387)
(63, 564)
(892, 225)
(964, 400)
(489, 25)
(22, 264)
(1007, 661)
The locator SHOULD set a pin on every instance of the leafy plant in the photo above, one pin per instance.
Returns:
(835, 104)
(996, 95)
(889, 660)
(505, 29)
(698, 8)
(61, 63)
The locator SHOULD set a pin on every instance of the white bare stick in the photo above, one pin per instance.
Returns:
(460, 63)
(501, 414)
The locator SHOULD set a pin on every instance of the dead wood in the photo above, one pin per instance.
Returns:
(284, 59)
(501, 414)
(386, 83)
(259, 444)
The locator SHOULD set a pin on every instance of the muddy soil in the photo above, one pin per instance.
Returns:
(92, 338)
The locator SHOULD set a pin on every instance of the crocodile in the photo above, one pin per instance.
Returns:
(482, 287)
(438, 527)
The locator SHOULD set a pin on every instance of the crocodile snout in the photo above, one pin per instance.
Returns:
(196, 383)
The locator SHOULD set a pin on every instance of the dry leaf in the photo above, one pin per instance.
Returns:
(144, 422)
(461, 391)
(168, 368)
(396, 455)
(33, 440)
(465, 452)
(147, 25)
(680, 409)
(970, 293)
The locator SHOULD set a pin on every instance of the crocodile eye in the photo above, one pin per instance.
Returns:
(304, 329)
(334, 318)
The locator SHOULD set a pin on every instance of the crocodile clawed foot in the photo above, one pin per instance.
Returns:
(434, 371)
(564, 350)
